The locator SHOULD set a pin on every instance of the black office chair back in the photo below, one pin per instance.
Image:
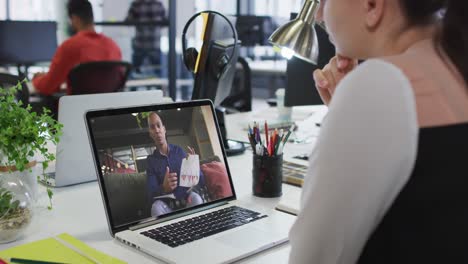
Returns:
(9, 80)
(240, 98)
(99, 77)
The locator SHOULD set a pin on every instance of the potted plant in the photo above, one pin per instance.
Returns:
(23, 135)
(15, 210)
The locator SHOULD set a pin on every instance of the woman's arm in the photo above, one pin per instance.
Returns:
(363, 157)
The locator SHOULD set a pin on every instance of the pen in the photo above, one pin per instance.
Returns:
(258, 133)
(287, 135)
(259, 150)
(266, 133)
(255, 133)
(252, 144)
(275, 140)
(31, 261)
(279, 137)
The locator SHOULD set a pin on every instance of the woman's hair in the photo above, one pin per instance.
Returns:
(453, 36)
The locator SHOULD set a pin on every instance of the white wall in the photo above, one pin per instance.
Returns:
(116, 10)
(2, 9)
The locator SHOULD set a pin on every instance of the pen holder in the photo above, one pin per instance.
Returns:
(267, 175)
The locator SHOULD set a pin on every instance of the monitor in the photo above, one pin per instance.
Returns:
(218, 41)
(254, 30)
(207, 84)
(300, 84)
(27, 42)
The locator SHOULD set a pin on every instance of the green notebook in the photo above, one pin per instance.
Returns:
(50, 249)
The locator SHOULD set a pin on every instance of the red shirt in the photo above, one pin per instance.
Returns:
(85, 46)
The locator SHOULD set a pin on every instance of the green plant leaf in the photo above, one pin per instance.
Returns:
(22, 134)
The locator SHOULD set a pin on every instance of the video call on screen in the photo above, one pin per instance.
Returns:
(142, 181)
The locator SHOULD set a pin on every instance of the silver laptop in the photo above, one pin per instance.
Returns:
(140, 151)
(74, 163)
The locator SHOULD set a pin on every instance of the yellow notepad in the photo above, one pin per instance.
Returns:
(52, 250)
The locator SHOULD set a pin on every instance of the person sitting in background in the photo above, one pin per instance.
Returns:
(146, 43)
(387, 180)
(87, 45)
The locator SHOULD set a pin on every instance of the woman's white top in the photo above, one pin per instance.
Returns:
(363, 157)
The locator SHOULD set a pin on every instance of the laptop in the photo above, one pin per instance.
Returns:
(217, 228)
(74, 163)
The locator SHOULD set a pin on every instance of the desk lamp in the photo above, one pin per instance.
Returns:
(298, 37)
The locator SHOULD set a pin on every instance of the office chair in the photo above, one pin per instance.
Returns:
(9, 80)
(99, 77)
(240, 98)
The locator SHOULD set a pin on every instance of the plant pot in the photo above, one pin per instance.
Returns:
(28, 176)
(16, 213)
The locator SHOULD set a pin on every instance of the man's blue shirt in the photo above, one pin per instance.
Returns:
(156, 170)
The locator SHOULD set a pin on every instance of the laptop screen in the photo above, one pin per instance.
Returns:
(154, 161)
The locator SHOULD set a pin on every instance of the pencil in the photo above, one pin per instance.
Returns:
(31, 261)
(266, 133)
(287, 135)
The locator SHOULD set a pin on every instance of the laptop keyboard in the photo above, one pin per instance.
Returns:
(205, 225)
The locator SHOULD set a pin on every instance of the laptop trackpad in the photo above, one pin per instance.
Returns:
(247, 238)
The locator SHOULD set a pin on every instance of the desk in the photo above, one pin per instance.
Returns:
(163, 82)
(268, 67)
(305, 136)
(78, 210)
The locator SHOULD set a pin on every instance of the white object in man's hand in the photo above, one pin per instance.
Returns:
(190, 171)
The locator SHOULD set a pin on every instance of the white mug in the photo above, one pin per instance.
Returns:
(284, 113)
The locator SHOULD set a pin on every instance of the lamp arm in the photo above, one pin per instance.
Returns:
(309, 10)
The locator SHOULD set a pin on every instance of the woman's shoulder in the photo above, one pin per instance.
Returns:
(414, 60)
(375, 73)
(374, 84)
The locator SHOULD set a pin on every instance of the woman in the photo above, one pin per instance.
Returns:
(387, 181)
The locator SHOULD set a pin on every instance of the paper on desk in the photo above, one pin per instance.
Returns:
(290, 200)
(307, 128)
(51, 250)
(190, 171)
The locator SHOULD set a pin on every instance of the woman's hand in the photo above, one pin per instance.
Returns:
(328, 78)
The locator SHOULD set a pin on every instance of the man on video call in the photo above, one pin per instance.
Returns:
(163, 172)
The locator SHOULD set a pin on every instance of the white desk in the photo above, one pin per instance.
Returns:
(305, 118)
(268, 67)
(78, 210)
(163, 82)
(157, 82)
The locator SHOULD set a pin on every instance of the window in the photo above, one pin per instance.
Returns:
(225, 7)
(276, 8)
(3, 9)
(41, 9)
(36, 10)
